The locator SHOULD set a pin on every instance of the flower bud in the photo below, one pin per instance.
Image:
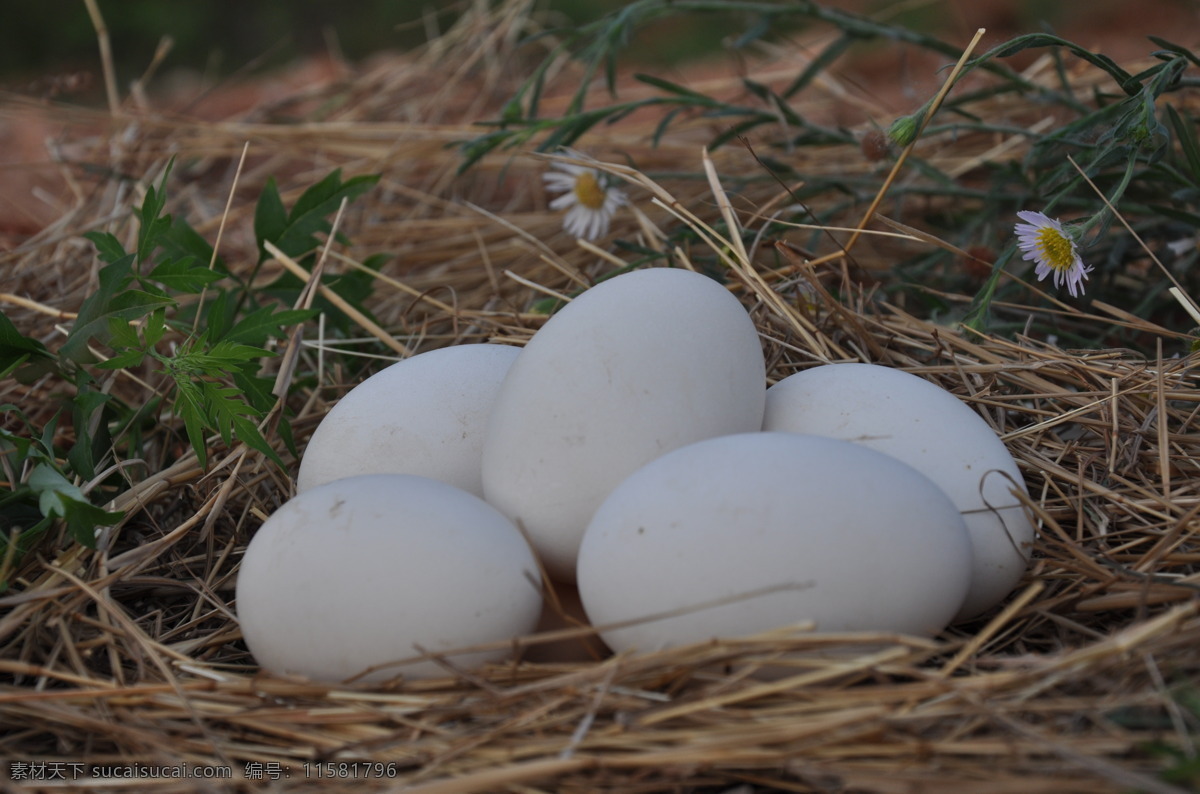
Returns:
(903, 130)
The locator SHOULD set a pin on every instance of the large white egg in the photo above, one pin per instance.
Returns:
(424, 415)
(372, 569)
(750, 532)
(933, 431)
(634, 367)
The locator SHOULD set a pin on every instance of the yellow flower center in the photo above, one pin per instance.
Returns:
(1057, 249)
(588, 191)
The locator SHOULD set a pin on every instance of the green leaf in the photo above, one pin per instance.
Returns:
(977, 313)
(270, 216)
(284, 431)
(132, 304)
(59, 498)
(125, 360)
(221, 406)
(83, 518)
(222, 357)
(87, 449)
(475, 149)
(1175, 48)
(1185, 133)
(314, 206)
(53, 490)
(152, 223)
(218, 318)
(14, 345)
(256, 390)
(674, 88)
(181, 241)
(122, 334)
(184, 275)
(91, 319)
(189, 406)
(154, 327)
(265, 323)
(11, 364)
(108, 247)
(821, 63)
(1124, 79)
(247, 432)
(206, 404)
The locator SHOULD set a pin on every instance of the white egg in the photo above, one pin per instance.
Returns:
(751, 532)
(634, 367)
(372, 569)
(933, 431)
(424, 415)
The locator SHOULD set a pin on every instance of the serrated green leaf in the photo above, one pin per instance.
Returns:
(190, 408)
(313, 208)
(218, 316)
(122, 334)
(152, 223)
(108, 247)
(317, 195)
(270, 216)
(353, 287)
(154, 327)
(222, 408)
(256, 390)
(125, 360)
(224, 356)
(181, 240)
(184, 275)
(265, 323)
(247, 432)
(129, 305)
(92, 318)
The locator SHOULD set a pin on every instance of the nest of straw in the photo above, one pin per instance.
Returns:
(131, 653)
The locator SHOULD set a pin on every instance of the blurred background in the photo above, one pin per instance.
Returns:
(221, 38)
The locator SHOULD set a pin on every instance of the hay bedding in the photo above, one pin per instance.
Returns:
(131, 654)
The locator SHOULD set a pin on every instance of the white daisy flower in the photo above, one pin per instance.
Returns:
(1045, 241)
(588, 196)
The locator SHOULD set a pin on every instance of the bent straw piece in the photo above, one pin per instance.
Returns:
(933, 108)
(367, 324)
(41, 308)
(992, 628)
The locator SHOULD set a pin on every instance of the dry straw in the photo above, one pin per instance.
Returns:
(132, 654)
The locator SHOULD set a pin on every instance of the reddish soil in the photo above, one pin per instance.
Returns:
(896, 78)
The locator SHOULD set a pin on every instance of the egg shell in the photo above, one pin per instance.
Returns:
(368, 570)
(424, 415)
(932, 430)
(752, 532)
(634, 367)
